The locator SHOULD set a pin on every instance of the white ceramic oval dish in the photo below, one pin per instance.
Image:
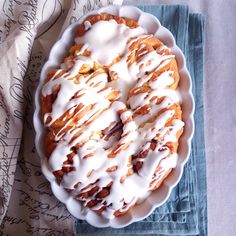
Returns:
(159, 196)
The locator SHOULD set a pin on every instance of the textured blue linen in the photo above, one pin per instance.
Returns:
(185, 212)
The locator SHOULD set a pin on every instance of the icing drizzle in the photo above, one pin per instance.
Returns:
(103, 127)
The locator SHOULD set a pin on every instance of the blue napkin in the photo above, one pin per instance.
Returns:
(185, 212)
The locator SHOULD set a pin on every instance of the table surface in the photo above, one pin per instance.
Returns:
(220, 108)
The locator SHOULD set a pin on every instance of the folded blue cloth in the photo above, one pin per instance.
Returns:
(185, 212)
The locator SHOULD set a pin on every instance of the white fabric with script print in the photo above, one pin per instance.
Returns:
(28, 29)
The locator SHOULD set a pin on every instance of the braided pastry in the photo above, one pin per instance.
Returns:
(112, 115)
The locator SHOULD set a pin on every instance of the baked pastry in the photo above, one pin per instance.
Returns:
(112, 115)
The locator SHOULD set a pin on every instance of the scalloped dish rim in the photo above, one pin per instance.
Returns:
(158, 196)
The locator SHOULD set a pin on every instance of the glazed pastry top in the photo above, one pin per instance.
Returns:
(113, 115)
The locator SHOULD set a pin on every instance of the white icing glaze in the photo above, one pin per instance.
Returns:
(107, 40)
(108, 135)
(87, 25)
